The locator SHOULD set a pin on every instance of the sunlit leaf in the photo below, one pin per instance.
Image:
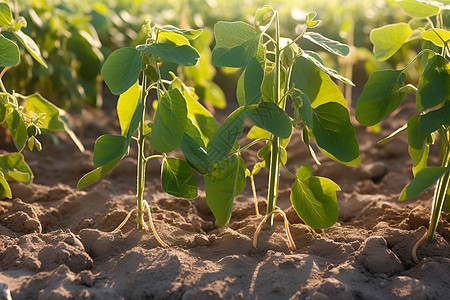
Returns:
(271, 117)
(14, 167)
(5, 190)
(108, 148)
(17, 129)
(31, 46)
(436, 35)
(328, 44)
(126, 105)
(419, 8)
(422, 181)
(308, 55)
(184, 55)
(388, 39)
(177, 178)
(5, 15)
(190, 34)
(9, 52)
(37, 104)
(97, 174)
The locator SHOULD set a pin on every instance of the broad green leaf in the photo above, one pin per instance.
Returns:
(31, 46)
(5, 15)
(304, 172)
(314, 199)
(185, 55)
(334, 132)
(436, 35)
(382, 94)
(225, 182)
(223, 139)
(177, 179)
(317, 85)
(419, 8)
(5, 190)
(248, 89)
(422, 181)
(328, 44)
(169, 122)
(122, 69)
(172, 37)
(190, 34)
(388, 39)
(302, 109)
(9, 52)
(126, 105)
(263, 16)
(435, 119)
(434, 84)
(257, 133)
(194, 149)
(14, 167)
(236, 44)
(328, 71)
(271, 117)
(417, 144)
(38, 105)
(97, 174)
(108, 147)
(17, 129)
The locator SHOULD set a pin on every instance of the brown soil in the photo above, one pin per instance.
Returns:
(55, 240)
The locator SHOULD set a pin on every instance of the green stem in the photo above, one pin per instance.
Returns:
(440, 192)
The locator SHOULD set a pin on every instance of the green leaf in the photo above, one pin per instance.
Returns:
(39, 105)
(436, 35)
(97, 174)
(422, 181)
(5, 15)
(226, 182)
(304, 172)
(433, 120)
(169, 122)
(248, 90)
(177, 178)
(314, 199)
(17, 129)
(328, 44)
(317, 85)
(126, 105)
(194, 149)
(190, 34)
(313, 58)
(5, 190)
(382, 94)
(31, 46)
(9, 52)
(122, 69)
(172, 37)
(434, 84)
(108, 148)
(236, 44)
(417, 144)
(269, 116)
(302, 109)
(263, 16)
(14, 167)
(185, 55)
(256, 133)
(222, 141)
(419, 9)
(334, 132)
(310, 20)
(388, 39)
(135, 120)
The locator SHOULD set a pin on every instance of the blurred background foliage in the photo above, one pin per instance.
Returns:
(76, 36)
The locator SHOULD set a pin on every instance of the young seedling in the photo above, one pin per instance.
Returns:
(385, 90)
(277, 72)
(175, 122)
(24, 123)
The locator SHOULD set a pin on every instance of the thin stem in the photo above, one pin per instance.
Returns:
(154, 156)
(252, 144)
(124, 221)
(296, 39)
(152, 226)
(286, 169)
(1, 82)
(254, 195)
(416, 246)
(417, 56)
(286, 228)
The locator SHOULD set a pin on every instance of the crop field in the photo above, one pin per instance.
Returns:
(190, 149)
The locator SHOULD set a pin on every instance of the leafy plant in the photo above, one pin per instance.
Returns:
(175, 122)
(277, 72)
(385, 90)
(24, 123)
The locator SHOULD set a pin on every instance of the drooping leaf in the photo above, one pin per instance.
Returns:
(303, 108)
(269, 116)
(422, 181)
(317, 85)
(17, 129)
(388, 39)
(224, 137)
(334, 132)
(329, 71)
(184, 55)
(248, 90)
(382, 94)
(108, 148)
(419, 8)
(225, 182)
(314, 199)
(136, 118)
(5, 190)
(126, 105)
(236, 44)
(328, 44)
(9, 52)
(14, 167)
(434, 84)
(38, 105)
(436, 35)
(31, 46)
(177, 178)
(194, 149)
(169, 122)
(435, 119)
(97, 173)
(121, 69)
(190, 34)
(417, 144)
(5, 15)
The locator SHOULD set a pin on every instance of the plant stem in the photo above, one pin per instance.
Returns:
(141, 160)
(274, 170)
